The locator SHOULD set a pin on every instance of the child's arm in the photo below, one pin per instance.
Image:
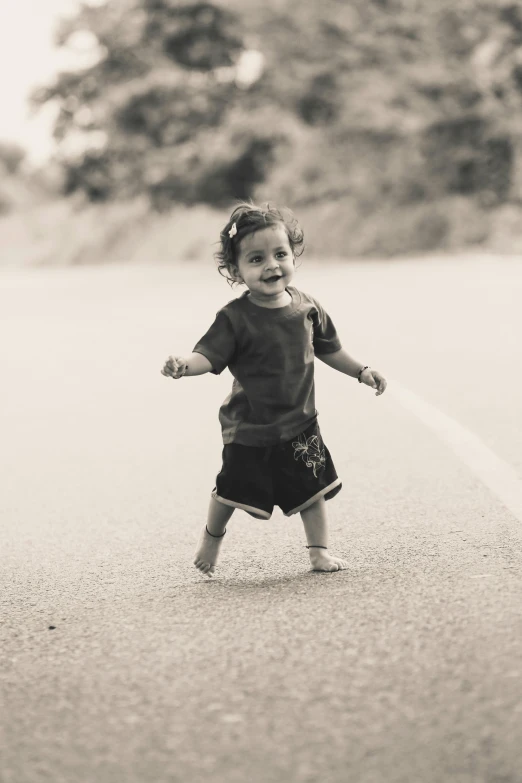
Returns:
(343, 362)
(176, 367)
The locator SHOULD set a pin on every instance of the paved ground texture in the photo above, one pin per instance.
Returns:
(120, 664)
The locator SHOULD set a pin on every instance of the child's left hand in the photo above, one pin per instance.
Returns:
(374, 379)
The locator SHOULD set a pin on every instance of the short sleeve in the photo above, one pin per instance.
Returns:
(326, 339)
(218, 345)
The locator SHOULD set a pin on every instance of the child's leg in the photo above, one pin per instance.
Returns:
(211, 538)
(316, 528)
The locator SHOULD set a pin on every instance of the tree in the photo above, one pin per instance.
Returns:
(11, 157)
(380, 101)
(160, 95)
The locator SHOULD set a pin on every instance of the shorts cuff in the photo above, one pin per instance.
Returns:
(242, 506)
(315, 497)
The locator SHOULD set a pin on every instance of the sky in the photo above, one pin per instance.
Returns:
(28, 59)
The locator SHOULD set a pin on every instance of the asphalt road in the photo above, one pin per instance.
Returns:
(407, 667)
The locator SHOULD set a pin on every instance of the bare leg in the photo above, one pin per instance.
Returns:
(316, 528)
(211, 538)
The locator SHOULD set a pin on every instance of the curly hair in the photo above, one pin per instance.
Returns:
(250, 218)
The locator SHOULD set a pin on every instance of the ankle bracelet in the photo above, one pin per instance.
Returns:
(212, 534)
(315, 546)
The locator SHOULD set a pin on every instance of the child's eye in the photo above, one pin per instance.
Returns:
(255, 259)
(282, 253)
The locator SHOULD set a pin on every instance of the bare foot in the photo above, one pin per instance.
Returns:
(207, 551)
(322, 561)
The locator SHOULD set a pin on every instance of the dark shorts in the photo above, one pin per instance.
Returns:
(291, 475)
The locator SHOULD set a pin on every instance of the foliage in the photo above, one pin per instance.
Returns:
(11, 157)
(377, 103)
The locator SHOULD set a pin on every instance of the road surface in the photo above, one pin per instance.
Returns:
(119, 662)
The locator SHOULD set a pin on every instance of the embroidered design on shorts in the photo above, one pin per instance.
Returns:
(311, 451)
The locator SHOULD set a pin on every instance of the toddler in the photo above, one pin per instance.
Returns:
(268, 337)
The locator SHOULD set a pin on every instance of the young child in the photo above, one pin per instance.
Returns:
(273, 451)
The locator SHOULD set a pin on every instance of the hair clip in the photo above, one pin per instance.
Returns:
(233, 231)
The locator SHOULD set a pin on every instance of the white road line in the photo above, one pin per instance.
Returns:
(496, 474)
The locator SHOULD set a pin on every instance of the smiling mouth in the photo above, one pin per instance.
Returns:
(272, 279)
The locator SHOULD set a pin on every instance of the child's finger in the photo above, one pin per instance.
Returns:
(382, 386)
(174, 368)
(175, 364)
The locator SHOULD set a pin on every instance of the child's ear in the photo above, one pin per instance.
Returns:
(234, 271)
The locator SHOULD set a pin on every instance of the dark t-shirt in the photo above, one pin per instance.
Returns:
(270, 353)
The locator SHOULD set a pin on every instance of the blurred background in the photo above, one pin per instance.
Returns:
(391, 127)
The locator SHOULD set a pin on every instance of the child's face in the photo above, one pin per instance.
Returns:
(265, 263)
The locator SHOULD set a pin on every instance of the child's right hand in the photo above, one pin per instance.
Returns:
(175, 367)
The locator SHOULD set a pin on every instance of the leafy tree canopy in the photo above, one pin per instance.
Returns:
(372, 99)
